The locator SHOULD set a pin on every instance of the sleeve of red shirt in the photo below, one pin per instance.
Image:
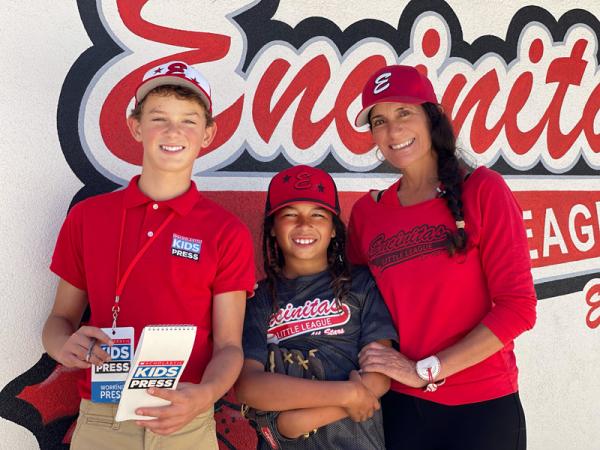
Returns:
(505, 260)
(67, 260)
(235, 268)
(353, 244)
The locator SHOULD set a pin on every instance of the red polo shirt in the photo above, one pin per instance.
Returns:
(203, 251)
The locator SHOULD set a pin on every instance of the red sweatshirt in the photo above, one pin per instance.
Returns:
(435, 299)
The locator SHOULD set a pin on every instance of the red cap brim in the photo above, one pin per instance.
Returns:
(362, 117)
(303, 200)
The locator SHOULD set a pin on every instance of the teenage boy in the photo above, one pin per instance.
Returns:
(156, 252)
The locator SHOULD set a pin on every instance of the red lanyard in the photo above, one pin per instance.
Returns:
(121, 283)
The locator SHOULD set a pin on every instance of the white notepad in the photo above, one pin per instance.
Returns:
(160, 358)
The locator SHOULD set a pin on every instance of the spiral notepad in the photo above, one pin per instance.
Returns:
(159, 360)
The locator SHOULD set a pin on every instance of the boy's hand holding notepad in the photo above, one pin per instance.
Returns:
(160, 358)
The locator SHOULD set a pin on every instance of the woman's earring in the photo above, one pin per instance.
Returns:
(379, 155)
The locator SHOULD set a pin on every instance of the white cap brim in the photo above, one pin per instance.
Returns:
(363, 117)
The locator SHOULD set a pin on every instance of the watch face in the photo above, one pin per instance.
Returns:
(429, 368)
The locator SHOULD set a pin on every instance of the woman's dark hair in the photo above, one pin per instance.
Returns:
(451, 172)
(273, 260)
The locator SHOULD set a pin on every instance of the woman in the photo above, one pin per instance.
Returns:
(449, 253)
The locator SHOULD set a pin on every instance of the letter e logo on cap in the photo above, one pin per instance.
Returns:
(382, 82)
(177, 67)
(304, 181)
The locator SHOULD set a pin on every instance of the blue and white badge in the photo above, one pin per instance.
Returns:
(186, 247)
(109, 378)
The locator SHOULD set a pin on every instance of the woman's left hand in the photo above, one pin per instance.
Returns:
(375, 357)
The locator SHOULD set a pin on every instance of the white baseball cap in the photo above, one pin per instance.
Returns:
(175, 73)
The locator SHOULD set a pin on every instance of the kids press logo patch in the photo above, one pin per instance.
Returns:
(120, 357)
(186, 247)
(160, 374)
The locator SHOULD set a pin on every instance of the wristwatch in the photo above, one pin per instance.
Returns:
(428, 369)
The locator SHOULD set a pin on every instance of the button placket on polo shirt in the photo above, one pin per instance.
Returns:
(155, 215)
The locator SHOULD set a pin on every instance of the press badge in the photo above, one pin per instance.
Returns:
(109, 378)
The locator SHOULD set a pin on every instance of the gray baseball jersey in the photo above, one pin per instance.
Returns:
(308, 317)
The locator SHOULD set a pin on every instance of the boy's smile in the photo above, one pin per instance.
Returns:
(172, 148)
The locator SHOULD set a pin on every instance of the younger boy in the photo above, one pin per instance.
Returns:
(156, 252)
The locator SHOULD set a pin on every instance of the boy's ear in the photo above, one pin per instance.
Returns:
(209, 134)
(134, 128)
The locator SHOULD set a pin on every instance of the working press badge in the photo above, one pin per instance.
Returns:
(109, 378)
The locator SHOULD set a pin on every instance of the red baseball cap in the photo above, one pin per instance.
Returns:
(395, 84)
(302, 184)
(175, 73)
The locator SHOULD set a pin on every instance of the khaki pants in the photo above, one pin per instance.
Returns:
(97, 430)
